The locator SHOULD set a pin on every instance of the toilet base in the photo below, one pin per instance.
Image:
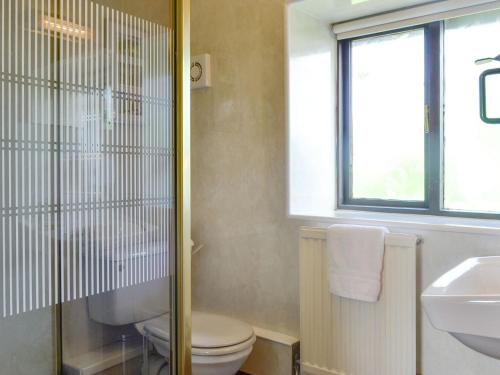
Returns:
(157, 366)
(228, 364)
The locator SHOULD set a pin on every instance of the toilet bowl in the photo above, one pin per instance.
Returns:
(220, 345)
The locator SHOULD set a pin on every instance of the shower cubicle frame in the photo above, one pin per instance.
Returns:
(181, 282)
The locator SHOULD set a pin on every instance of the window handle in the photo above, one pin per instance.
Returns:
(427, 127)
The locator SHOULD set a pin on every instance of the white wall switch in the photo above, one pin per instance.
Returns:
(200, 71)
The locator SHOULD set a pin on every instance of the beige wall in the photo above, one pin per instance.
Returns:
(248, 267)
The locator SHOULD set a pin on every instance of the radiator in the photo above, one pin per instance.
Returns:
(346, 337)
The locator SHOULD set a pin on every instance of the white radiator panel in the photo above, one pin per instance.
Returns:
(342, 336)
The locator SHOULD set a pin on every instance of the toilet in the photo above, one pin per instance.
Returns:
(220, 344)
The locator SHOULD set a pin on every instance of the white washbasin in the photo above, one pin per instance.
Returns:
(465, 302)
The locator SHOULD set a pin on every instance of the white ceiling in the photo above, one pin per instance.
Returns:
(333, 11)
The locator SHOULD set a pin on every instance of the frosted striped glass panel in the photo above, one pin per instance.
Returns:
(86, 152)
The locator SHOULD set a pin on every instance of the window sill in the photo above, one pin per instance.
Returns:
(423, 222)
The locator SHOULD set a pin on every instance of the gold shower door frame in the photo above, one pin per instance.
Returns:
(181, 283)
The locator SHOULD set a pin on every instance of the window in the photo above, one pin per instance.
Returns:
(411, 135)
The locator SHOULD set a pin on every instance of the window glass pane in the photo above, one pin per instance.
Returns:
(387, 117)
(492, 93)
(472, 148)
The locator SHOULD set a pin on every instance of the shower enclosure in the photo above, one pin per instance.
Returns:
(94, 198)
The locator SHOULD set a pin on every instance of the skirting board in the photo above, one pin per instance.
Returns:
(314, 370)
(103, 358)
(273, 353)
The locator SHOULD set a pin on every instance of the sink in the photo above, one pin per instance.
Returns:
(465, 302)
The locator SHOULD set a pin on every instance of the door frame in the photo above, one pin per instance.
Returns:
(181, 282)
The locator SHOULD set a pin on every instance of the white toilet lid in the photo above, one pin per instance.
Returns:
(215, 331)
(208, 330)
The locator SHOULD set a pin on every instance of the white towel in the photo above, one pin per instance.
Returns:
(355, 259)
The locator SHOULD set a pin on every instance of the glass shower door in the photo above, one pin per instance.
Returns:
(29, 159)
(87, 159)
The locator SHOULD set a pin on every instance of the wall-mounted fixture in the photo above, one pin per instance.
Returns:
(200, 72)
(489, 96)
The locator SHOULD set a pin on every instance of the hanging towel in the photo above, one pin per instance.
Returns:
(355, 258)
